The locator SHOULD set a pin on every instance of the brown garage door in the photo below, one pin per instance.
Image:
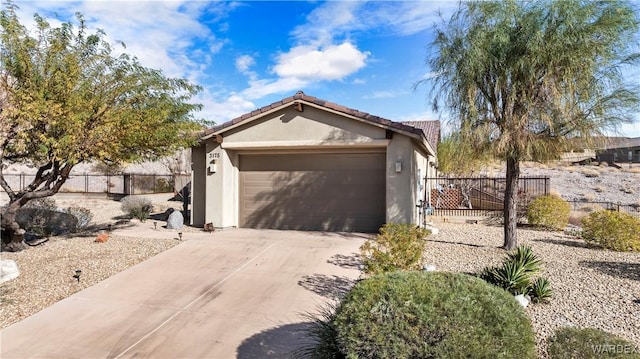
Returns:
(316, 192)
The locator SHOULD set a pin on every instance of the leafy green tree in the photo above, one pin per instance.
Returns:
(522, 78)
(457, 157)
(66, 99)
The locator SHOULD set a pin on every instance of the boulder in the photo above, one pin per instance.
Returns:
(433, 229)
(429, 268)
(175, 220)
(165, 215)
(522, 300)
(8, 270)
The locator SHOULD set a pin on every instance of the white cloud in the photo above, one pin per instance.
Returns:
(260, 88)
(224, 109)
(161, 34)
(313, 64)
(340, 19)
(305, 65)
(244, 62)
(382, 94)
(327, 21)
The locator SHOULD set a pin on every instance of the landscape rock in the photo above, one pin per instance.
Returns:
(8, 270)
(165, 215)
(522, 300)
(433, 229)
(175, 220)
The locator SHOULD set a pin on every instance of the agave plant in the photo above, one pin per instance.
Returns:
(511, 276)
(516, 272)
(525, 259)
(540, 290)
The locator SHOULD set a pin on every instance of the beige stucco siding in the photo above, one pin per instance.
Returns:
(289, 125)
(399, 194)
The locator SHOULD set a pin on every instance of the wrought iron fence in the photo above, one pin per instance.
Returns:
(477, 196)
(111, 184)
(592, 206)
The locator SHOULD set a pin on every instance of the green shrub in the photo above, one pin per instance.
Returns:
(82, 215)
(45, 203)
(36, 216)
(397, 247)
(589, 343)
(432, 315)
(612, 230)
(550, 212)
(516, 273)
(137, 207)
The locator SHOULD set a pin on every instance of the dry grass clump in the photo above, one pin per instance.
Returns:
(632, 170)
(588, 197)
(607, 169)
(575, 217)
(591, 207)
(599, 189)
(555, 192)
(627, 190)
(589, 172)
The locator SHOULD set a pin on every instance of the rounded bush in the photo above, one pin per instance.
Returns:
(589, 343)
(617, 231)
(432, 315)
(550, 212)
(137, 207)
(398, 247)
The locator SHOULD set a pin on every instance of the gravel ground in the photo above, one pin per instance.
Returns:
(585, 183)
(592, 287)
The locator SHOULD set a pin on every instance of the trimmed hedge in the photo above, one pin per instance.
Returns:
(432, 315)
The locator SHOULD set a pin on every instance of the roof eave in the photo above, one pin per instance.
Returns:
(418, 136)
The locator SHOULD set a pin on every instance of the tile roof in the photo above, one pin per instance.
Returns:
(430, 130)
(623, 143)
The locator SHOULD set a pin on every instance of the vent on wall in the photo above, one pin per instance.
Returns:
(389, 135)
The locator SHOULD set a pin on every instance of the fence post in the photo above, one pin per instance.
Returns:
(546, 186)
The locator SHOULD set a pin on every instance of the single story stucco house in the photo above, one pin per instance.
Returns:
(625, 150)
(308, 164)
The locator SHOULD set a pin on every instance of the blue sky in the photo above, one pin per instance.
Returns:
(364, 55)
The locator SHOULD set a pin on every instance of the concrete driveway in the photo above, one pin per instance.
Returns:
(232, 294)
